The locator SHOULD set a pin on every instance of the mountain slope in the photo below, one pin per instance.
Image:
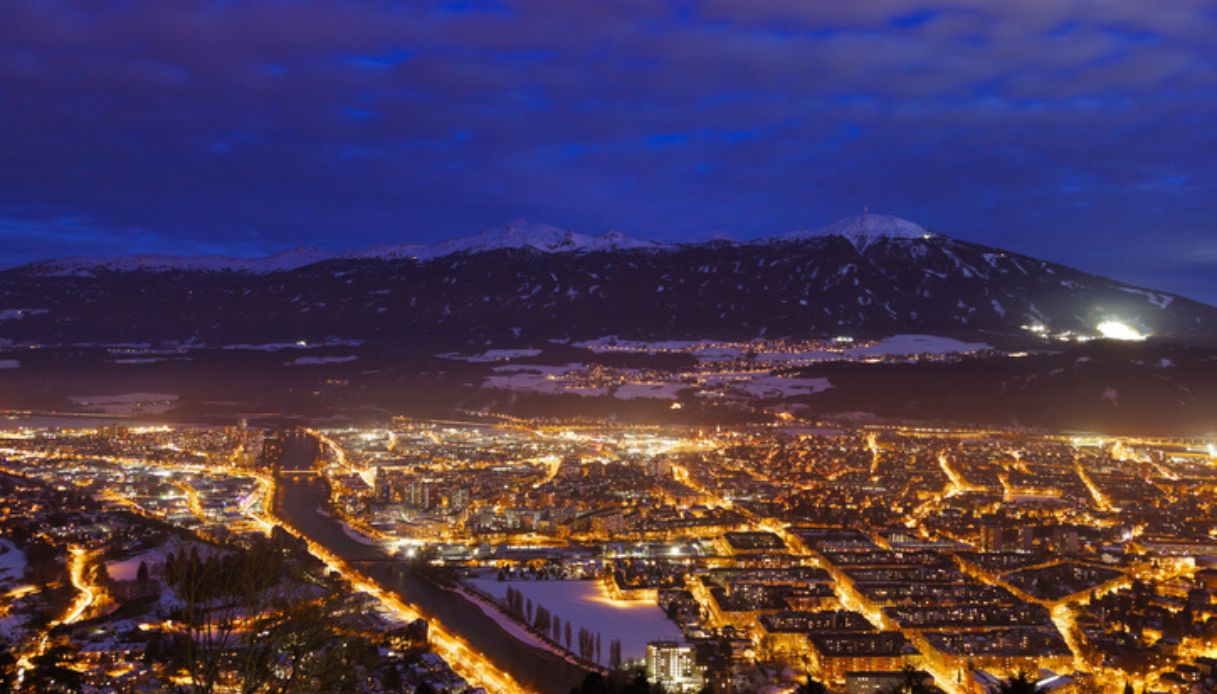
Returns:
(524, 284)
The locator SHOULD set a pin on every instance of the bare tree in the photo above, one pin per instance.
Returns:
(244, 620)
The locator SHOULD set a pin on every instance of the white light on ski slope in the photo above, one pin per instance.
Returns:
(1119, 330)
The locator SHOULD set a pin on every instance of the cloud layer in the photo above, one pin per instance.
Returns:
(1077, 130)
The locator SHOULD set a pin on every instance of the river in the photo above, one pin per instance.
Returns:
(299, 502)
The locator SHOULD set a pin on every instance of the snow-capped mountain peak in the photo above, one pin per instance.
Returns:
(561, 284)
(865, 229)
(396, 251)
(518, 234)
(541, 237)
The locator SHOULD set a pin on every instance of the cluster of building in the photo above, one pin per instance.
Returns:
(858, 557)
(96, 528)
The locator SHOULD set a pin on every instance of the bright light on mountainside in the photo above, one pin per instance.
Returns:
(1119, 330)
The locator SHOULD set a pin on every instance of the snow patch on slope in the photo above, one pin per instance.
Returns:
(19, 313)
(1154, 298)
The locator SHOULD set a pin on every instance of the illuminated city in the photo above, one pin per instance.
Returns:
(756, 555)
(608, 347)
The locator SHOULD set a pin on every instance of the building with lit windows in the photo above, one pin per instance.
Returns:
(671, 664)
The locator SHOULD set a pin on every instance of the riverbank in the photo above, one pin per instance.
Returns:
(297, 503)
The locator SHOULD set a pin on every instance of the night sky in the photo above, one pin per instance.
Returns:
(1081, 131)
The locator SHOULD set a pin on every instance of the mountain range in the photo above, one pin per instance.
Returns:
(865, 276)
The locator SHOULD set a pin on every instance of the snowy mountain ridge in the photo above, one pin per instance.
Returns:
(82, 266)
(865, 230)
(518, 234)
(862, 231)
(520, 284)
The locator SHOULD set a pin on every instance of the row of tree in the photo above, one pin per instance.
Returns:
(550, 624)
(617, 682)
(241, 619)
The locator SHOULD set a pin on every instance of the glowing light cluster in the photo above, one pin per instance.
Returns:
(1119, 330)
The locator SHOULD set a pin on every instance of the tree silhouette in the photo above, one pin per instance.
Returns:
(8, 668)
(912, 682)
(1019, 683)
(50, 674)
(811, 686)
(617, 682)
(239, 614)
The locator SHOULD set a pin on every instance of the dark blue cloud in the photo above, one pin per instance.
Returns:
(1080, 132)
(915, 18)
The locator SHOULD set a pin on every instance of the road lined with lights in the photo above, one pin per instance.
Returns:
(471, 641)
(466, 661)
(86, 596)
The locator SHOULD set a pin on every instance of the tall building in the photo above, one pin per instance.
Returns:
(417, 494)
(992, 536)
(671, 664)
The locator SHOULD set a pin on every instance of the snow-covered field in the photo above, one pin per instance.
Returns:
(316, 361)
(916, 344)
(128, 569)
(769, 387)
(12, 562)
(300, 344)
(492, 355)
(509, 625)
(659, 391)
(587, 604)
